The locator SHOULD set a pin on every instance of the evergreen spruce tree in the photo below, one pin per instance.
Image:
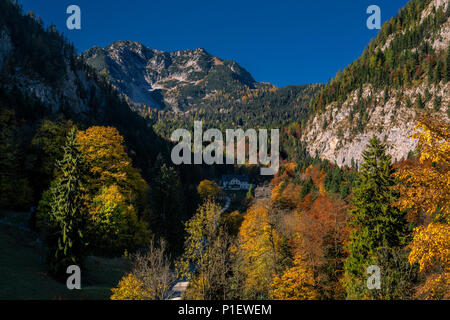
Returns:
(419, 102)
(167, 215)
(447, 62)
(438, 72)
(68, 216)
(430, 73)
(377, 226)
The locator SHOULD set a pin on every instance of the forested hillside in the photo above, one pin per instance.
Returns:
(264, 107)
(45, 91)
(173, 89)
(363, 179)
(405, 70)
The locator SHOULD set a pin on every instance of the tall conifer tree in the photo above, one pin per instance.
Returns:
(378, 226)
(447, 62)
(68, 215)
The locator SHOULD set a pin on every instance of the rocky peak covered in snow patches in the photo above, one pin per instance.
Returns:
(152, 78)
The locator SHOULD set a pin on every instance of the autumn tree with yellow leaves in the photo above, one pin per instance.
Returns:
(130, 288)
(208, 256)
(295, 283)
(285, 196)
(108, 163)
(150, 278)
(208, 189)
(425, 192)
(260, 244)
(117, 192)
(115, 222)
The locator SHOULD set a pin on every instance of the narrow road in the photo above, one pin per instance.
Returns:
(180, 286)
(227, 204)
(178, 290)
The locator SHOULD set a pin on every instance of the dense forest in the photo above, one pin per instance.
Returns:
(318, 232)
(33, 133)
(263, 107)
(100, 182)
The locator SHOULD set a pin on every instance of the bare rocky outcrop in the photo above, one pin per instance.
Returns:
(64, 93)
(391, 121)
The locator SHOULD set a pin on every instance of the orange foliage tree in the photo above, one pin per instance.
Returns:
(425, 190)
(323, 229)
(285, 196)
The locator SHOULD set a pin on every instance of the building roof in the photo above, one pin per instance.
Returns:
(229, 177)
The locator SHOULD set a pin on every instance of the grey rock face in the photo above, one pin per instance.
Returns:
(333, 133)
(159, 79)
(66, 93)
(393, 124)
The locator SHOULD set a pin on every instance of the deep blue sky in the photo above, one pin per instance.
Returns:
(283, 42)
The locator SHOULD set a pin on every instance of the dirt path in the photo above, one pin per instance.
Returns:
(180, 286)
(227, 204)
(178, 290)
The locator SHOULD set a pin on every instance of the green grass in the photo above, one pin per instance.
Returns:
(24, 277)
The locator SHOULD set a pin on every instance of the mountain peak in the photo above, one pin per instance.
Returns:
(201, 50)
(179, 80)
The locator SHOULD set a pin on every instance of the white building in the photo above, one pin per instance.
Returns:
(235, 182)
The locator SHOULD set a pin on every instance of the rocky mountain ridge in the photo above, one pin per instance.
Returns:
(336, 134)
(392, 121)
(178, 80)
